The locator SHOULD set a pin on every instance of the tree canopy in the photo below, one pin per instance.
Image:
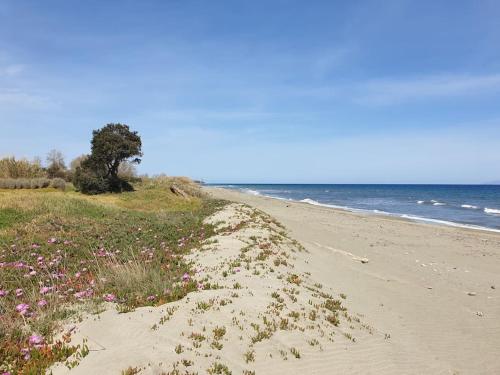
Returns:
(111, 146)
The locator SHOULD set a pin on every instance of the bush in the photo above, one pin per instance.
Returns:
(26, 183)
(40, 183)
(58, 183)
(89, 183)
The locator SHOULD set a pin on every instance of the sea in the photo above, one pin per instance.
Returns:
(473, 206)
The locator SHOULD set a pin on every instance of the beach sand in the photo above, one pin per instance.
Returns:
(356, 294)
(434, 289)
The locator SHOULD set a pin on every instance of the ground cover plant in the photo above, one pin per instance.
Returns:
(63, 253)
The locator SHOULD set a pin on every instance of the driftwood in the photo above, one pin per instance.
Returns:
(177, 191)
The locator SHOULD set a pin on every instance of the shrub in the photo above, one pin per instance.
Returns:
(87, 182)
(25, 183)
(58, 183)
(39, 183)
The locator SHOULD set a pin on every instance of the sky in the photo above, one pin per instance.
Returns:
(260, 91)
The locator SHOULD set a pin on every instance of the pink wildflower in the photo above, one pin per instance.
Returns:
(44, 290)
(22, 308)
(35, 340)
(42, 303)
(52, 240)
(151, 298)
(19, 292)
(186, 277)
(80, 294)
(35, 246)
(109, 297)
(3, 293)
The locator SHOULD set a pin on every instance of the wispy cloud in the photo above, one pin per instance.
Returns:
(15, 100)
(393, 91)
(11, 70)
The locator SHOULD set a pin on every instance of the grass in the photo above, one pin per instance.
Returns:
(63, 252)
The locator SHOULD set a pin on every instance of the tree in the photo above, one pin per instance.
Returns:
(112, 145)
(56, 168)
(77, 162)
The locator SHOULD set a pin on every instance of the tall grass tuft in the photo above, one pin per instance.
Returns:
(22, 168)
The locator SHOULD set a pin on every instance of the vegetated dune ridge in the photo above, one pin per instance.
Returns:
(434, 289)
(264, 313)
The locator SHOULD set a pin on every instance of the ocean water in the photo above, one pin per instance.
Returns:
(459, 205)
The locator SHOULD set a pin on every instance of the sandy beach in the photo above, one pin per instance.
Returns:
(433, 289)
(291, 288)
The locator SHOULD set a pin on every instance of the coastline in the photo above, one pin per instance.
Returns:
(429, 286)
(404, 217)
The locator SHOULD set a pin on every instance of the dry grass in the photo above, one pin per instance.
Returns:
(12, 168)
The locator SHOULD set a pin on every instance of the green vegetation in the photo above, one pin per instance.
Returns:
(62, 253)
(111, 146)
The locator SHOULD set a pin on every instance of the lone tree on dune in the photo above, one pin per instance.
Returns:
(111, 146)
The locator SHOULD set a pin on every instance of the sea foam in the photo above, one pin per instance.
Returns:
(492, 211)
(250, 191)
(469, 206)
(312, 201)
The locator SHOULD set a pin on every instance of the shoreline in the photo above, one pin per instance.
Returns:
(424, 286)
(383, 214)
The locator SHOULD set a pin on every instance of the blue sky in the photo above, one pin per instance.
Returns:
(261, 91)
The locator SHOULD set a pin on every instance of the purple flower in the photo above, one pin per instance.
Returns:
(109, 297)
(22, 308)
(151, 298)
(52, 240)
(44, 290)
(186, 277)
(35, 340)
(83, 293)
(42, 303)
(3, 293)
(35, 246)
